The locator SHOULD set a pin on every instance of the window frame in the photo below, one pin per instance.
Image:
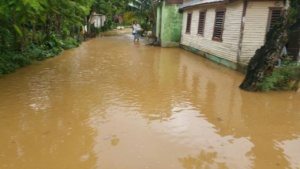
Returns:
(223, 24)
(271, 9)
(204, 12)
(188, 31)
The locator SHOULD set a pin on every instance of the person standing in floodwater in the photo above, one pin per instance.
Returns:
(136, 28)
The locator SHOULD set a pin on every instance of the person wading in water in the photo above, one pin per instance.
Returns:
(136, 28)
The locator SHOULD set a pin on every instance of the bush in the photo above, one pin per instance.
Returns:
(286, 77)
(146, 26)
(42, 52)
(70, 43)
(108, 25)
(53, 41)
(11, 61)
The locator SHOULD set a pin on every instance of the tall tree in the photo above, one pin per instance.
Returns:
(110, 8)
(144, 8)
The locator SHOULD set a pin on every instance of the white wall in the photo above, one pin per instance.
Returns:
(226, 49)
(256, 23)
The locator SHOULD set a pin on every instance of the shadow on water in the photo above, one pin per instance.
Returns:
(114, 104)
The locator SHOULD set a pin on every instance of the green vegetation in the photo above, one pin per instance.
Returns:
(129, 17)
(35, 30)
(112, 9)
(11, 60)
(142, 11)
(286, 77)
(145, 12)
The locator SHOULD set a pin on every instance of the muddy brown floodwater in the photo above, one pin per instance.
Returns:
(113, 104)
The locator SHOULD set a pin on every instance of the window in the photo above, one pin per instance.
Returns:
(219, 25)
(202, 15)
(274, 17)
(188, 23)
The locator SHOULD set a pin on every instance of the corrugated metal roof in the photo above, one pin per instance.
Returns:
(198, 2)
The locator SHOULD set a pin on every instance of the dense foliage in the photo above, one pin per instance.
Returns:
(142, 11)
(145, 10)
(26, 22)
(35, 30)
(110, 8)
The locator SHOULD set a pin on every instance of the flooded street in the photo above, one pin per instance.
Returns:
(113, 104)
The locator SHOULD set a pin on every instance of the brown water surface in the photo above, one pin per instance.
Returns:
(113, 104)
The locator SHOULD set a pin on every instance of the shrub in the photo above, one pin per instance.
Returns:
(286, 77)
(108, 25)
(11, 61)
(70, 43)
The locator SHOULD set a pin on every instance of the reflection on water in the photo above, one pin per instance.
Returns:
(112, 104)
(203, 160)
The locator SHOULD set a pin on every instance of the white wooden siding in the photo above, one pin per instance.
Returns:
(226, 49)
(256, 22)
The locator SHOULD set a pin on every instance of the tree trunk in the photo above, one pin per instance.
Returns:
(153, 10)
(265, 58)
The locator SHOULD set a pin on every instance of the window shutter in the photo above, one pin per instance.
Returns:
(274, 18)
(202, 16)
(219, 25)
(188, 23)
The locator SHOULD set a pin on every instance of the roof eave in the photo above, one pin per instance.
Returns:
(205, 4)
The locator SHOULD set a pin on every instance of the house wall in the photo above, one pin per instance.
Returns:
(169, 24)
(228, 48)
(256, 22)
(158, 20)
(226, 52)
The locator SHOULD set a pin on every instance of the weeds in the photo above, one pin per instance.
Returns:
(286, 77)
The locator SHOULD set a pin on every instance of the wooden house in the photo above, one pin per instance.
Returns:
(228, 31)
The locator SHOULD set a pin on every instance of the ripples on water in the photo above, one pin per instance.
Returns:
(114, 104)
